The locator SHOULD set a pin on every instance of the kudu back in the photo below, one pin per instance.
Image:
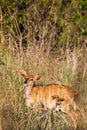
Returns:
(49, 95)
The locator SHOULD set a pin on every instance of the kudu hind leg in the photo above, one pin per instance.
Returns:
(78, 109)
(70, 112)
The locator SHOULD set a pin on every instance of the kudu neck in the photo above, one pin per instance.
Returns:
(28, 89)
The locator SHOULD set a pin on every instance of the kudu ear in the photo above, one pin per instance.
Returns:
(37, 77)
(23, 73)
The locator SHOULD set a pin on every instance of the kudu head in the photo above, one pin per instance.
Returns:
(29, 79)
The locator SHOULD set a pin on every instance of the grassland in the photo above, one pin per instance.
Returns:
(68, 68)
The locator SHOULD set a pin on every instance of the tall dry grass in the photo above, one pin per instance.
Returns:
(68, 68)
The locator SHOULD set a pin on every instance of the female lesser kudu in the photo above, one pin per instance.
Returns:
(49, 95)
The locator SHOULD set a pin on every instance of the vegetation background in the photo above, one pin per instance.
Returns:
(42, 36)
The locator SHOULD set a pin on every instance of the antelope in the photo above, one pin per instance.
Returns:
(49, 94)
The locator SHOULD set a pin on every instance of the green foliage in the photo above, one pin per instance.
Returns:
(82, 4)
(30, 17)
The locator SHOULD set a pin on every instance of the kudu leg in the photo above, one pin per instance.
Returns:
(65, 107)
